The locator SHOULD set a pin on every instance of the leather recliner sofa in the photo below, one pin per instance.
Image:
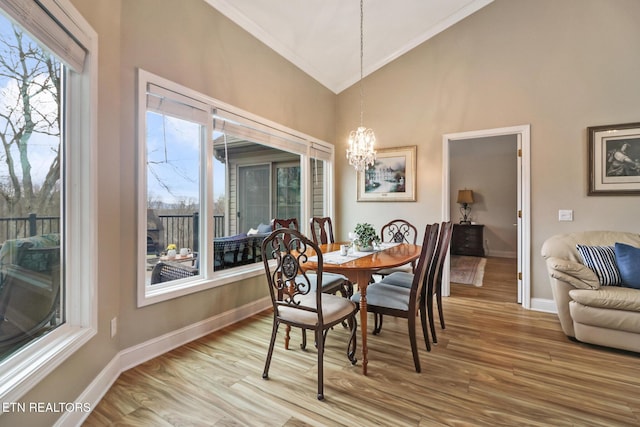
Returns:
(589, 312)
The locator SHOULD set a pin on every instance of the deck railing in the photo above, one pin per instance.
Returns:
(182, 230)
(31, 225)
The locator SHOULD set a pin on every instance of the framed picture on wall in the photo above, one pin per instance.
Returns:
(614, 159)
(392, 178)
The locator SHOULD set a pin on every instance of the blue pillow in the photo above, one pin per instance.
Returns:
(628, 260)
(264, 228)
(602, 260)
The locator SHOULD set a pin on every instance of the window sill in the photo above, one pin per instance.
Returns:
(33, 363)
(158, 293)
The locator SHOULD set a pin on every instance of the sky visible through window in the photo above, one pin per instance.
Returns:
(173, 148)
(44, 142)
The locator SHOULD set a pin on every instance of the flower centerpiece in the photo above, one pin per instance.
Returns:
(172, 250)
(366, 237)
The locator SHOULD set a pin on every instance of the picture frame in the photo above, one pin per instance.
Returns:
(392, 178)
(614, 160)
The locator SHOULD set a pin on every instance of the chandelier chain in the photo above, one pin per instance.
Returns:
(361, 61)
(361, 153)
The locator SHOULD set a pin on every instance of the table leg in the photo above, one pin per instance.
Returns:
(363, 282)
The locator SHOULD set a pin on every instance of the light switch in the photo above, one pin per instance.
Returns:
(565, 215)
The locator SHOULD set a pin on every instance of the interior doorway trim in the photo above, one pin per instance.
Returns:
(523, 133)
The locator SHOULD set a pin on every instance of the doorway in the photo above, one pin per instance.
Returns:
(523, 184)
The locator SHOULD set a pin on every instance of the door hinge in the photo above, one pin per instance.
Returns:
(519, 275)
(519, 214)
(519, 152)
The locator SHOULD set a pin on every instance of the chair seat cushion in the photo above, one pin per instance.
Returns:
(385, 295)
(330, 281)
(334, 309)
(407, 268)
(399, 278)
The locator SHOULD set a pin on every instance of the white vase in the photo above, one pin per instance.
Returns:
(171, 253)
(368, 248)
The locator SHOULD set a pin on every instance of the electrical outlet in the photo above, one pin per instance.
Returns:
(114, 327)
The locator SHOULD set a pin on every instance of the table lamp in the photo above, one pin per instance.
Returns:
(465, 198)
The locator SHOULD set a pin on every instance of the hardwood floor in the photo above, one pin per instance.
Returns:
(499, 284)
(495, 364)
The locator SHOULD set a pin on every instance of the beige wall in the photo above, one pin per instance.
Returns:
(190, 43)
(560, 66)
(488, 166)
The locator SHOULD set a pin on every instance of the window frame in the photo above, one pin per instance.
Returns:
(223, 117)
(24, 369)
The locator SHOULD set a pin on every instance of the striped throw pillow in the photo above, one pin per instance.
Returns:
(602, 260)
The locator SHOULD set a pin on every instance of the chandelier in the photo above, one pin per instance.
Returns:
(361, 141)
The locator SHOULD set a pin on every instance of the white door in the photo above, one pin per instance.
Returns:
(519, 218)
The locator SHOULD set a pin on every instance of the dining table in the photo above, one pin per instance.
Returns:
(359, 268)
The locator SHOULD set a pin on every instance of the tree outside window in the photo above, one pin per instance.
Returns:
(30, 189)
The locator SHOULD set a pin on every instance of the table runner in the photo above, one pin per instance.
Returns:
(335, 257)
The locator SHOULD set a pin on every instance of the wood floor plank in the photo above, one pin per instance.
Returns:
(494, 364)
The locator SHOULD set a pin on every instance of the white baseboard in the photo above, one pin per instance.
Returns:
(544, 305)
(133, 356)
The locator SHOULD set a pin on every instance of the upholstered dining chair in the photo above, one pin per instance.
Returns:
(398, 231)
(331, 282)
(397, 301)
(433, 285)
(295, 297)
(446, 229)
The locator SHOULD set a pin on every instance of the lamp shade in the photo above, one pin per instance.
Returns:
(465, 196)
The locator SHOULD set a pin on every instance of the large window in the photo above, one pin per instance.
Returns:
(47, 264)
(31, 212)
(213, 178)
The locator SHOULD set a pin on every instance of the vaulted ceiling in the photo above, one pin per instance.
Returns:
(322, 37)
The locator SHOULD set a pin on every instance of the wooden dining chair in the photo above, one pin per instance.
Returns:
(292, 223)
(433, 285)
(331, 282)
(398, 231)
(322, 233)
(391, 300)
(446, 229)
(321, 230)
(295, 297)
